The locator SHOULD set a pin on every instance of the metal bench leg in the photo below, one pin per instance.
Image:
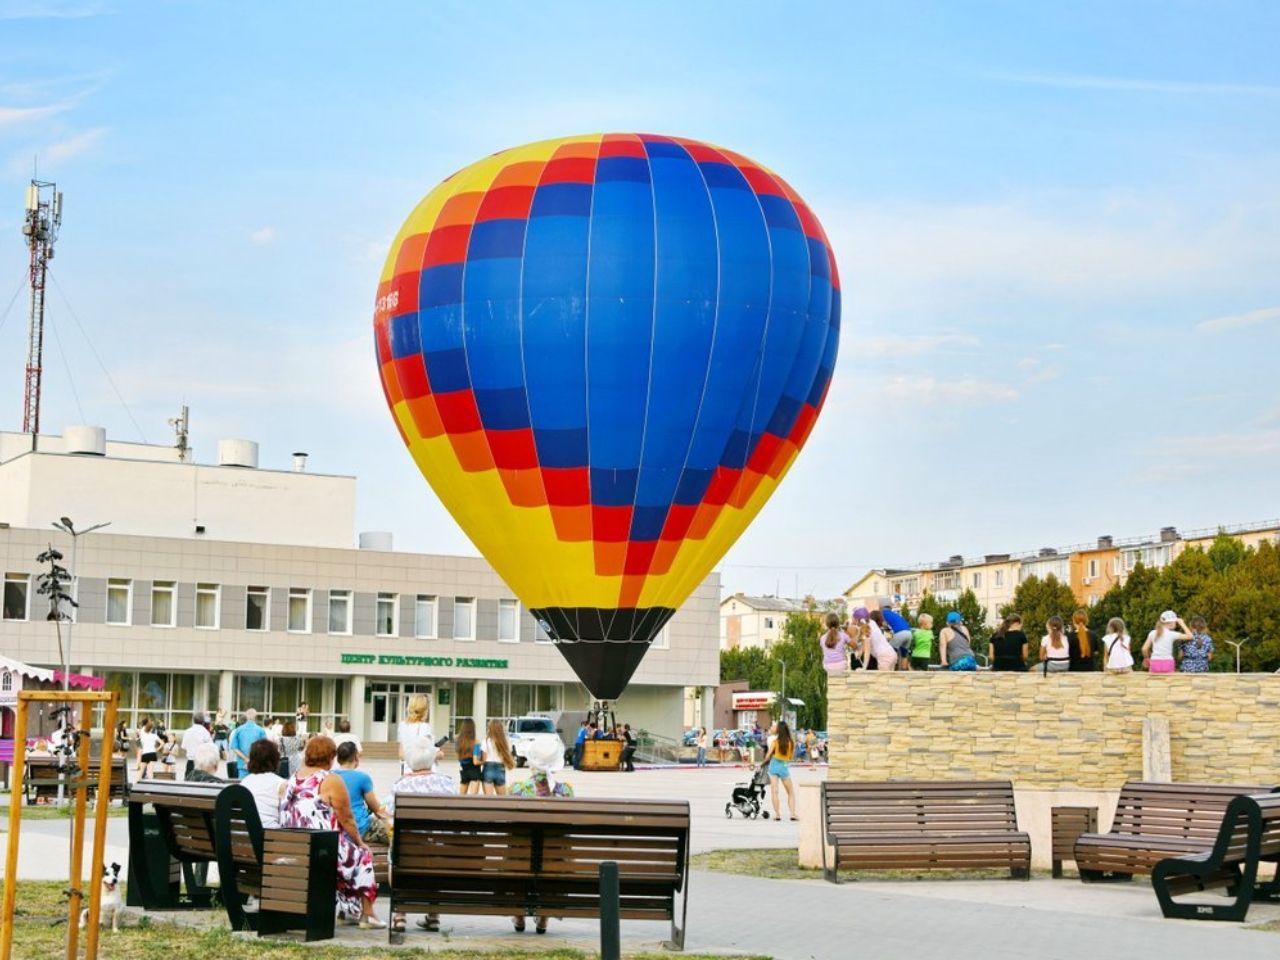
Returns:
(678, 927)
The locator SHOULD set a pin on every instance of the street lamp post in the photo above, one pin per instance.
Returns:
(66, 526)
(1238, 644)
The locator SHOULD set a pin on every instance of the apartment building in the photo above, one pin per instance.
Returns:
(747, 622)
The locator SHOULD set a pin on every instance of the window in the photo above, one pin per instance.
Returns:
(386, 623)
(977, 581)
(424, 617)
(163, 609)
(299, 610)
(1093, 568)
(119, 601)
(6, 681)
(509, 621)
(339, 611)
(1115, 566)
(540, 634)
(999, 578)
(660, 639)
(17, 592)
(257, 608)
(464, 618)
(207, 606)
(768, 623)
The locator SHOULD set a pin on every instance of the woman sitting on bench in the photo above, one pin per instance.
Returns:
(316, 799)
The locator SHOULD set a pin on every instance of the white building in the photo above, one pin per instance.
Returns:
(753, 621)
(229, 586)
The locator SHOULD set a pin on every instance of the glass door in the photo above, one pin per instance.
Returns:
(382, 703)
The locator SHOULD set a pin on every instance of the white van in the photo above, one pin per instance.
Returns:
(521, 731)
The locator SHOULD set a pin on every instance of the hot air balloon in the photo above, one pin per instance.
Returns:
(604, 352)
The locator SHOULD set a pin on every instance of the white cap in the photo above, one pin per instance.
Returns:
(1168, 617)
(545, 756)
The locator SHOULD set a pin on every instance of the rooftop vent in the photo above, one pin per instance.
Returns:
(1168, 534)
(85, 440)
(1106, 542)
(996, 557)
(1048, 551)
(238, 453)
(376, 540)
(299, 462)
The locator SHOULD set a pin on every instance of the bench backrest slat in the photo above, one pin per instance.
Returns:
(919, 807)
(1192, 811)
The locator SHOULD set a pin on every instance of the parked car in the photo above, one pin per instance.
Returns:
(522, 731)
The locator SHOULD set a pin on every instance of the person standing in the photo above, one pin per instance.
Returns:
(1196, 652)
(470, 776)
(1055, 654)
(291, 745)
(701, 743)
(1117, 648)
(221, 731)
(579, 744)
(922, 642)
(1159, 648)
(877, 644)
(243, 738)
(900, 636)
(628, 749)
(148, 749)
(778, 757)
(1008, 647)
(195, 735)
(1082, 643)
(835, 647)
(301, 717)
(955, 647)
(415, 725)
(497, 759)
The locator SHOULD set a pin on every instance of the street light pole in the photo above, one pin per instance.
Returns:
(1238, 645)
(67, 527)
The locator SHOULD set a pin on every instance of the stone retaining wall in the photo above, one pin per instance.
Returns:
(1063, 731)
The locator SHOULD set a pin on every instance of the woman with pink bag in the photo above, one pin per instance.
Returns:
(1158, 650)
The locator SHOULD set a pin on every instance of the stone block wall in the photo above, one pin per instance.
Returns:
(1063, 731)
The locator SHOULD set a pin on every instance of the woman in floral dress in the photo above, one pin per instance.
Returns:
(317, 800)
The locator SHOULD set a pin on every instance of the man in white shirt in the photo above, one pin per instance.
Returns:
(344, 735)
(194, 736)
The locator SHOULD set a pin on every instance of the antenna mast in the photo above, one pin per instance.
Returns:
(40, 227)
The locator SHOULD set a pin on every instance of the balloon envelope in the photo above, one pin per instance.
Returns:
(604, 352)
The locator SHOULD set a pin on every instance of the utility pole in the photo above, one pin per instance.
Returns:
(40, 227)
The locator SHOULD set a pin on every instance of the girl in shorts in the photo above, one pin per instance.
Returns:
(470, 774)
(497, 759)
(782, 750)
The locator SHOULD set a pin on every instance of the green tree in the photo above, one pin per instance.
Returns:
(746, 663)
(798, 648)
(1035, 601)
(1226, 552)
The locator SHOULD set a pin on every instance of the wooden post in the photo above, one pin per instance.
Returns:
(105, 763)
(15, 820)
(81, 754)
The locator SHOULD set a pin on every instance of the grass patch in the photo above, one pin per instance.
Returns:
(783, 864)
(52, 812)
(37, 934)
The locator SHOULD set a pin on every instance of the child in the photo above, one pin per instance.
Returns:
(1196, 652)
(922, 642)
(1117, 648)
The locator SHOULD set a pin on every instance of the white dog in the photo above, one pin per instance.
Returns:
(110, 902)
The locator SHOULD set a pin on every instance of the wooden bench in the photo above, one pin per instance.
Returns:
(1250, 834)
(185, 815)
(1155, 821)
(922, 825)
(509, 857)
(292, 873)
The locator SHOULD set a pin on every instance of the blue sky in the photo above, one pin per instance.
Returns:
(1058, 230)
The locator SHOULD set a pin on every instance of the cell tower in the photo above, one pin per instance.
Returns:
(44, 216)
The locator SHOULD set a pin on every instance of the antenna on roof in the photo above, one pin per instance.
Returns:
(180, 425)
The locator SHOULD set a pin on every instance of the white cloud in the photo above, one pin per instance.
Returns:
(12, 116)
(908, 345)
(1237, 320)
(50, 10)
(931, 391)
(1132, 85)
(262, 236)
(75, 146)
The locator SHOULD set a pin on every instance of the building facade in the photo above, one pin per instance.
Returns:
(182, 622)
(747, 622)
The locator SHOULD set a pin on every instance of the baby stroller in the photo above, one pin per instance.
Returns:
(748, 797)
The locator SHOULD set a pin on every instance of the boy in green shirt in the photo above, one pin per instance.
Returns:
(922, 643)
